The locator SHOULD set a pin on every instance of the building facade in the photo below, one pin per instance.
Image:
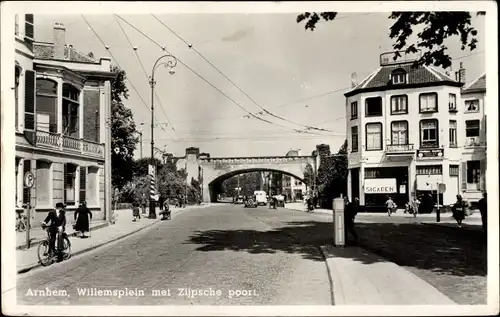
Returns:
(293, 189)
(62, 102)
(409, 131)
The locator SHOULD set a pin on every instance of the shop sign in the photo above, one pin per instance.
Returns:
(430, 153)
(380, 186)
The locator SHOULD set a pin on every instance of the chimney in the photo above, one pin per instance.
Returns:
(354, 80)
(461, 73)
(59, 40)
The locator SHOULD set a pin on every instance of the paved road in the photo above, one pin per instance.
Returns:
(225, 248)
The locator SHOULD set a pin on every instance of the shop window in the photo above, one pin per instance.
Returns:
(454, 170)
(373, 106)
(452, 102)
(472, 128)
(373, 136)
(69, 183)
(71, 104)
(399, 131)
(372, 173)
(26, 190)
(429, 133)
(354, 139)
(472, 105)
(399, 104)
(473, 172)
(429, 170)
(46, 104)
(453, 133)
(428, 102)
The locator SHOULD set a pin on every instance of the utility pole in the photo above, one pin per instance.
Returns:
(140, 140)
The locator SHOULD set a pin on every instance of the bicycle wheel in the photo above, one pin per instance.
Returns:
(44, 256)
(66, 251)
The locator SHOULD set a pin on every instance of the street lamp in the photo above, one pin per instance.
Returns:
(171, 63)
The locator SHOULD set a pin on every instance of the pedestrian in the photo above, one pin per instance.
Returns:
(414, 206)
(143, 204)
(483, 209)
(82, 217)
(458, 210)
(427, 204)
(350, 212)
(135, 212)
(390, 205)
(161, 201)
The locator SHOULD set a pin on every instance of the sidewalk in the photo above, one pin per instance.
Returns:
(360, 277)
(28, 259)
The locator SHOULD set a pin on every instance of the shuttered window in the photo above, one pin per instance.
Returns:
(29, 30)
(29, 101)
(18, 74)
(83, 183)
(26, 190)
(454, 170)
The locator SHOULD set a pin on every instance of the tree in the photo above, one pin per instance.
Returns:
(123, 132)
(437, 27)
(309, 175)
(332, 176)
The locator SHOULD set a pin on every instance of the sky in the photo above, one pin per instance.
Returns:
(295, 74)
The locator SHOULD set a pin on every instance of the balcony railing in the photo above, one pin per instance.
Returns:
(400, 148)
(65, 143)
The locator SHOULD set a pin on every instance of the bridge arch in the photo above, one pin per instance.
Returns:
(215, 184)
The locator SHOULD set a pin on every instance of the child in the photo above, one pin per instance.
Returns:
(135, 212)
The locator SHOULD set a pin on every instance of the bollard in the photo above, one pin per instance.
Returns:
(338, 222)
(438, 214)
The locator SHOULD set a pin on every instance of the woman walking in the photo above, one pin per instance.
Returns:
(83, 215)
(459, 210)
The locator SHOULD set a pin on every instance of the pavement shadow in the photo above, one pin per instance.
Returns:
(443, 251)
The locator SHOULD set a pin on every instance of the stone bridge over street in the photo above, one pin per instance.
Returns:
(212, 171)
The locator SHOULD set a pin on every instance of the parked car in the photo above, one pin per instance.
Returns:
(239, 200)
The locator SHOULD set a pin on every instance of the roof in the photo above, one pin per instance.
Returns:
(478, 85)
(43, 50)
(420, 76)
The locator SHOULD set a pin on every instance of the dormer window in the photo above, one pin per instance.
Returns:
(398, 77)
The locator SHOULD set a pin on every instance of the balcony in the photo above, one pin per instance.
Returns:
(472, 142)
(400, 149)
(68, 144)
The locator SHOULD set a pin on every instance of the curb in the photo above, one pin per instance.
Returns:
(74, 234)
(455, 228)
(158, 220)
(324, 253)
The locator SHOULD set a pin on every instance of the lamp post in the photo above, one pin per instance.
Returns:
(171, 63)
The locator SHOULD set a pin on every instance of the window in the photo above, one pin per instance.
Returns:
(69, 183)
(16, 92)
(398, 77)
(473, 172)
(43, 188)
(453, 133)
(16, 24)
(472, 105)
(428, 102)
(429, 133)
(354, 110)
(354, 139)
(399, 104)
(454, 170)
(46, 102)
(399, 131)
(452, 102)
(472, 128)
(430, 170)
(374, 106)
(374, 136)
(70, 110)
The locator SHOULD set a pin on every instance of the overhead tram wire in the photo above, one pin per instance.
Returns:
(146, 74)
(128, 79)
(209, 83)
(235, 85)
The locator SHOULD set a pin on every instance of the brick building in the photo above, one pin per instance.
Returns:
(62, 101)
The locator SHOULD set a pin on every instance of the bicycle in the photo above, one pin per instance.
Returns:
(45, 257)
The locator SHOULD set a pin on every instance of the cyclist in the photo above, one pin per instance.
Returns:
(56, 221)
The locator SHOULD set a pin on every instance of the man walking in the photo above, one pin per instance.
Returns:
(350, 212)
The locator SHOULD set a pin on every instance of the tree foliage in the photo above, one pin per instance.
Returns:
(437, 27)
(332, 176)
(123, 132)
